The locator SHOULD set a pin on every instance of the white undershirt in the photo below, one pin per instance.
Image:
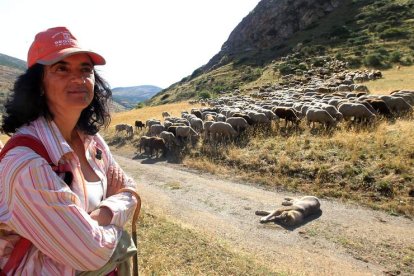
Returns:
(95, 194)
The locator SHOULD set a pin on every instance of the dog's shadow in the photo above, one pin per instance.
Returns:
(305, 221)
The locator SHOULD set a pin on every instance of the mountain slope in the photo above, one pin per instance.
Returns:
(12, 62)
(131, 96)
(10, 69)
(277, 37)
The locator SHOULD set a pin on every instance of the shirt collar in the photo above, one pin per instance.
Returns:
(48, 132)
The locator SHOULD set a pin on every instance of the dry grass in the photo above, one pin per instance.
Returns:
(4, 138)
(402, 79)
(166, 248)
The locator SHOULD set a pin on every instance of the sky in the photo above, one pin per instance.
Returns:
(144, 42)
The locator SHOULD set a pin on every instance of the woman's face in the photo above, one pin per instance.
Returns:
(69, 84)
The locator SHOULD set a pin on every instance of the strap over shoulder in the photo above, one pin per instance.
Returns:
(29, 141)
(25, 140)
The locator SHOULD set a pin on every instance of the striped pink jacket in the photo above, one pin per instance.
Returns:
(38, 205)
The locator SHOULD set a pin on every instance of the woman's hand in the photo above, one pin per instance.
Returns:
(115, 180)
(102, 215)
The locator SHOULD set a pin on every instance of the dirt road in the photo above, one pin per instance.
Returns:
(344, 240)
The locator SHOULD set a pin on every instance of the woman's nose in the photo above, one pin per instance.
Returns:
(78, 78)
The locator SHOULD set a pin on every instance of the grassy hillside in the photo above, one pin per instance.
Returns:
(364, 33)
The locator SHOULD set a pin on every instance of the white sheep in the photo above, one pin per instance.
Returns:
(314, 115)
(238, 123)
(220, 118)
(156, 129)
(407, 95)
(197, 124)
(151, 122)
(165, 114)
(222, 130)
(186, 132)
(355, 110)
(167, 124)
(169, 139)
(207, 126)
(125, 127)
(259, 118)
(397, 105)
(270, 114)
(333, 111)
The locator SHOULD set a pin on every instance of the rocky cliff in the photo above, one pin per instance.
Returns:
(269, 24)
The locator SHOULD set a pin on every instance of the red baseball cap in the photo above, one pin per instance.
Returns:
(55, 44)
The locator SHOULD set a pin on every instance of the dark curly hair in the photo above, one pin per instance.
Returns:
(27, 102)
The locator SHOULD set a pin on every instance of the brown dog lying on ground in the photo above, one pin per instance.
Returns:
(293, 212)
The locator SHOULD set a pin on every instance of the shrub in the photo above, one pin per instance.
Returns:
(306, 40)
(286, 69)
(185, 95)
(313, 50)
(354, 62)
(340, 31)
(382, 51)
(350, 41)
(196, 73)
(373, 60)
(406, 62)
(393, 33)
(139, 105)
(361, 40)
(312, 25)
(165, 97)
(320, 49)
(385, 188)
(339, 56)
(372, 27)
(360, 16)
(204, 95)
(318, 63)
(380, 27)
(302, 66)
(395, 56)
(358, 53)
(250, 74)
(220, 87)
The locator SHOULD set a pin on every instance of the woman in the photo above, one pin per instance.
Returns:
(63, 102)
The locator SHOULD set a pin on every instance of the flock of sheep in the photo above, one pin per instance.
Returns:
(229, 117)
(325, 98)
